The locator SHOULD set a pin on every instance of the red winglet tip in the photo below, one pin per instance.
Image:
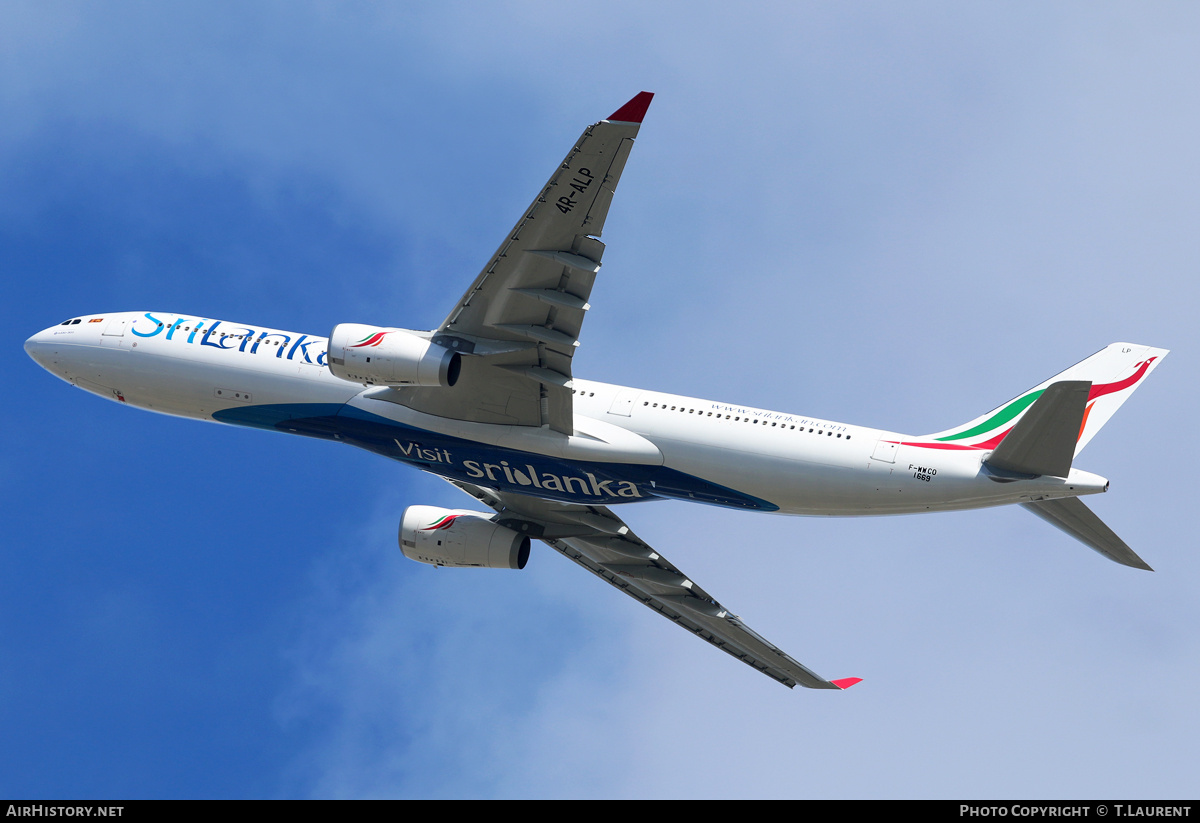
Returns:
(635, 110)
(846, 682)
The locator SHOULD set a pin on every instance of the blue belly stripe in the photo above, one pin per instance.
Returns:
(490, 466)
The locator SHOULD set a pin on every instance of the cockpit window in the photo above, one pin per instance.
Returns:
(72, 322)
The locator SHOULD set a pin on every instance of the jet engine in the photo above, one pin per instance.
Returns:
(377, 356)
(455, 537)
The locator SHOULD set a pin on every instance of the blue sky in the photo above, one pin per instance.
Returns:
(893, 216)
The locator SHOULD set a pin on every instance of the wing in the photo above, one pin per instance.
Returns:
(518, 324)
(598, 540)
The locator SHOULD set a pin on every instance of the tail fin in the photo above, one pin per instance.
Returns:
(1114, 373)
(1032, 435)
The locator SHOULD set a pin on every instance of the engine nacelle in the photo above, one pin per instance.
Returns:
(389, 357)
(456, 537)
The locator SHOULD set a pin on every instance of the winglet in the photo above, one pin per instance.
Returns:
(846, 682)
(635, 110)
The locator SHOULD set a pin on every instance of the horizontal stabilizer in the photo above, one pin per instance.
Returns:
(1043, 440)
(1074, 517)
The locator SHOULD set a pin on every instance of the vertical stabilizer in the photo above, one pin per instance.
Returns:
(1114, 373)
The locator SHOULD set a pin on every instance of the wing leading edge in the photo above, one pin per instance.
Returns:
(518, 324)
(600, 542)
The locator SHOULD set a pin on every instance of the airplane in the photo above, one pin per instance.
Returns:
(488, 401)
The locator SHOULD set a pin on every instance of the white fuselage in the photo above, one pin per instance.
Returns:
(629, 444)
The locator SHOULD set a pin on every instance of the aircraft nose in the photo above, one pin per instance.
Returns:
(48, 352)
(37, 347)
